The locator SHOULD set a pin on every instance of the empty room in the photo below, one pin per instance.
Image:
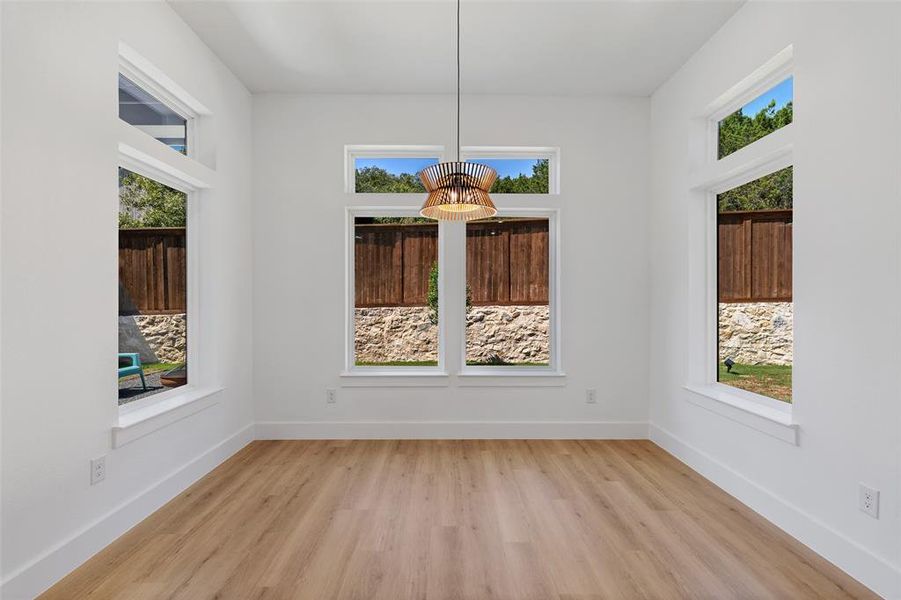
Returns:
(450, 299)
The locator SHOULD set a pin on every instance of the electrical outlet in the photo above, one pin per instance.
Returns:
(330, 396)
(868, 500)
(98, 470)
(591, 396)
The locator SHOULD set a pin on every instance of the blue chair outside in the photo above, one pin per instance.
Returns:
(132, 366)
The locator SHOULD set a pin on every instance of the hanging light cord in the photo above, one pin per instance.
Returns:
(458, 80)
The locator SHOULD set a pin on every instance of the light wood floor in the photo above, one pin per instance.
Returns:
(395, 520)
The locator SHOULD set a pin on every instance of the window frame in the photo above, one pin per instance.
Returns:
(762, 157)
(555, 363)
(192, 284)
(351, 369)
(550, 153)
(354, 151)
(140, 153)
(155, 82)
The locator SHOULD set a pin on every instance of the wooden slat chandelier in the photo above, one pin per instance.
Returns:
(458, 191)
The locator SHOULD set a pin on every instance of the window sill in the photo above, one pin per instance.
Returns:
(507, 377)
(395, 378)
(135, 424)
(770, 420)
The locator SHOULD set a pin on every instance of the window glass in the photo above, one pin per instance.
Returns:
(148, 114)
(507, 292)
(754, 286)
(758, 118)
(395, 292)
(519, 175)
(390, 175)
(153, 287)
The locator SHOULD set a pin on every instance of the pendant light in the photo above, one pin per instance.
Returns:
(458, 191)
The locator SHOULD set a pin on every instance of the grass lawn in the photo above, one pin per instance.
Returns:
(399, 363)
(774, 381)
(151, 368)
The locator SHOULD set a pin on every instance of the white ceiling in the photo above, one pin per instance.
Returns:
(509, 47)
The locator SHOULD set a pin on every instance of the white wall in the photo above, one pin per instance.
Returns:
(299, 204)
(59, 281)
(847, 290)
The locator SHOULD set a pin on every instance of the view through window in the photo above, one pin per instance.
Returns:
(758, 118)
(153, 287)
(507, 287)
(754, 282)
(395, 292)
(390, 175)
(141, 109)
(518, 175)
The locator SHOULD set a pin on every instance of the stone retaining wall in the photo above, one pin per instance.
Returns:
(512, 334)
(756, 333)
(157, 338)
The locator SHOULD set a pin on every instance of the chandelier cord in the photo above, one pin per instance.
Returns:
(458, 80)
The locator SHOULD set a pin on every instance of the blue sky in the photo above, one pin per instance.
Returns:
(781, 93)
(396, 166)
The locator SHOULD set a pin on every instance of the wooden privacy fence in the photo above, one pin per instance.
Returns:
(506, 263)
(755, 256)
(152, 271)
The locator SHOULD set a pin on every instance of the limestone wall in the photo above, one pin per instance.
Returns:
(756, 332)
(514, 334)
(158, 338)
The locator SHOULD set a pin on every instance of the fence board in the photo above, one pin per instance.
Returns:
(152, 271)
(506, 263)
(755, 256)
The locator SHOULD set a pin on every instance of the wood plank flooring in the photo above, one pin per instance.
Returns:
(397, 520)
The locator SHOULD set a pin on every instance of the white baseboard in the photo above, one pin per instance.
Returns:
(871, 570)
(59, 561)
(390, 430)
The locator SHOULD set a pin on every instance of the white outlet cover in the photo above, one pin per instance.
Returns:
(591, 396)
(331, 396)
(98, 470)
(868, 500)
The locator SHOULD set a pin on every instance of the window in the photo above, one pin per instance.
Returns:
(758, 118)
(144, 111)
(754, 286)
(153, 287)
(509, 288)
(388, 169)
(395, 286)
(519, 170)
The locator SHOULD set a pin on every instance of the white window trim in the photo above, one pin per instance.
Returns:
(391, 375)
(355, 151)
(773, 72)
(551, 153)
(759, 158)
(482, 375)
(135, 413)
(155, 82)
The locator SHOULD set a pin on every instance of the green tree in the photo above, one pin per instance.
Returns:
(768, 192)
(738, 130)
(378, 180)
(432, 296)
(536, 183)
(144, 202)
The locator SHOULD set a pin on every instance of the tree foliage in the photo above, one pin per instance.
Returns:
(536, 183)
(144, 202)
(770, 191)
(738, 130)
(378, 180)
(432, 295)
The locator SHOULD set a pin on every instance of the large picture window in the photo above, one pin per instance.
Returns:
(754, 286)
(153, 287)
(395, 292)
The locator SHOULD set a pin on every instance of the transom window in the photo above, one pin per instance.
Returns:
(758, 118)
(141, 109)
